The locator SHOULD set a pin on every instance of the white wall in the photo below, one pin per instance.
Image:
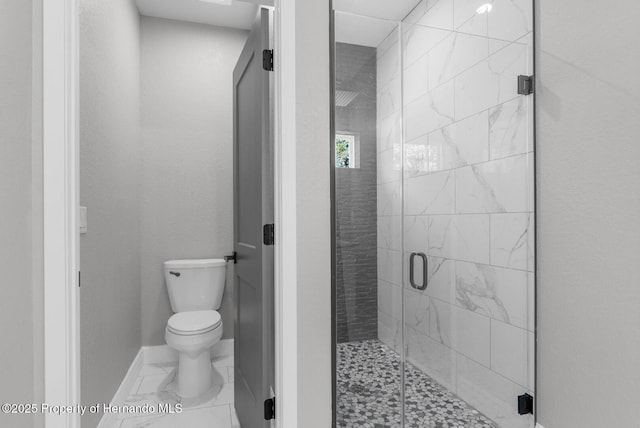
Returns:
(588, 147)
(186, 174)
(16, 305)
(313, 214)
(109, 163)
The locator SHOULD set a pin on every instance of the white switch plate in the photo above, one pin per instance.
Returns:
(83, 220)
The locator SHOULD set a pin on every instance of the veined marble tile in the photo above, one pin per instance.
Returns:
(471, 238)
(464, 331)
(389, 99)
(467, 10)
(417, 156)
(508, 128)
(389, 132)
(490, 82)
(431, 111)
(418, 40)
(390, 198)
(460, 237)
(455, 54)
(417, 13)
(440, 328)
(495, 45)
(390, 266)
(510, 352)
(459, 144)
(416, 79)
(388, 66)
(442, 279)
(218, 417)
(440, 15)
(151, 383)
(390, 299)
(498, 186)
(416, 233)
(390, 331)
(471, 137)
(510, 19)
(491, 393)
(157, 369)
(499, 293)
(531, 308)
(441, 239)
(430, 194)
(391, 41)
(389, 166)
(389, 235)
(416, 310)
(432, 357)
(510, 240)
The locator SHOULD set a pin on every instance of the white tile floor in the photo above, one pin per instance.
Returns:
(156, 385)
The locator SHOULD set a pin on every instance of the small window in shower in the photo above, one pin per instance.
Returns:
(346, 150)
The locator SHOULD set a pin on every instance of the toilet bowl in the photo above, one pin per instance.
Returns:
(193, 334)
(195, 291)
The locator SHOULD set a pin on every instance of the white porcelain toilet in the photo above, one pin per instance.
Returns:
(195, 290)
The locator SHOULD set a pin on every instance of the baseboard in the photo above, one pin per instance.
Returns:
(539, 426)
(108, 419)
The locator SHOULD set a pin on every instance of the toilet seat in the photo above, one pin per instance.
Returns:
(194, 322)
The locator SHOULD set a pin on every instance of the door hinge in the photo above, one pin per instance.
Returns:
(525, 404)
(525, 85)
(270, 409)
(268, 234)
(79, 279)
(267, 59)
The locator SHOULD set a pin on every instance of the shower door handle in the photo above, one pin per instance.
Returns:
(424, 271)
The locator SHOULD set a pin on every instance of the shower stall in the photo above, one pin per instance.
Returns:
(433, 203)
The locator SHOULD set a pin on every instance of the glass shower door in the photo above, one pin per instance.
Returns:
(468, 213)
(368, 222)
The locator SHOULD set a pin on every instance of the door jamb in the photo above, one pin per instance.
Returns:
(60, 208)
(61, 204)
(285, 273)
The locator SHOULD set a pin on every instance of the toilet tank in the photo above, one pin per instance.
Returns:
(195, 285)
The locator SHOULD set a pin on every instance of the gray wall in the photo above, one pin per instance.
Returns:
(187, 169)
(356, 203)
(313, 214)
(16, 305)
(588, 179)
(109, 163)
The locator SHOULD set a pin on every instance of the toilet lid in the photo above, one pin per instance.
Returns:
(194, 322)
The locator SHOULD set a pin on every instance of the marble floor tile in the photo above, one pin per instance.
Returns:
(157, 385)
(217, 416)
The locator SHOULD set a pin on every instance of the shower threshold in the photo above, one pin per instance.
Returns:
(368, 395)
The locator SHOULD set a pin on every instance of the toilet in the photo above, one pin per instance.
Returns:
(195, 291)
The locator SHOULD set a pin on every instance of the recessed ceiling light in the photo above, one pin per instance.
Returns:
(485, 8)
(220, 2)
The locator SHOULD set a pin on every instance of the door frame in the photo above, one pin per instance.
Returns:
(61, 205)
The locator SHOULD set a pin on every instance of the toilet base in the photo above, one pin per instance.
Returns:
(194, 374)
(194, 361)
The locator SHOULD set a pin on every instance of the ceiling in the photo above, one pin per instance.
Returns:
(361, 30)
(391, 10)
(359, 22)
(240, 14)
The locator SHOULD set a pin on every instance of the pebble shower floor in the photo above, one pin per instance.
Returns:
(368, 395)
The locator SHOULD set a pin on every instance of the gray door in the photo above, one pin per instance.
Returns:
(253, 208)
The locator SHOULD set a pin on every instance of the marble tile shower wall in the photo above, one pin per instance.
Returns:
(449, 90)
